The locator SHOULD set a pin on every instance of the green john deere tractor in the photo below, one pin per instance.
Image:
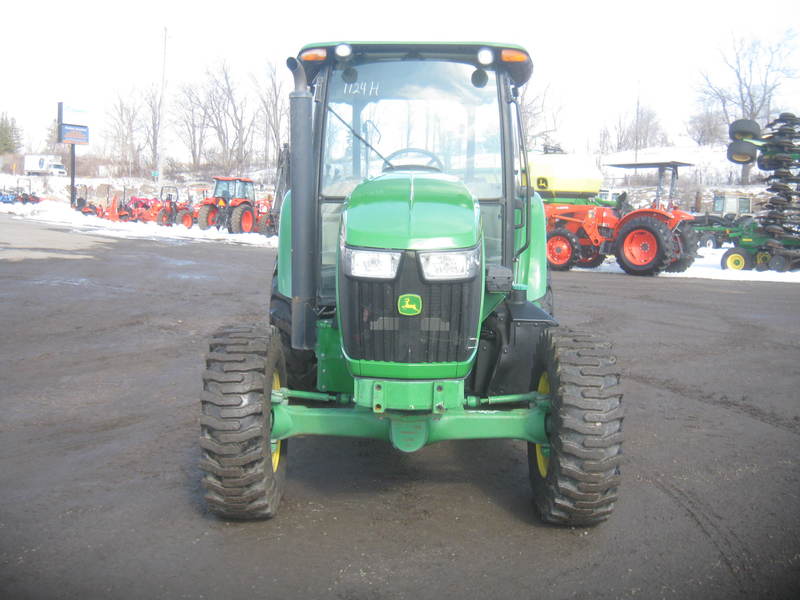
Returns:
(410, 300)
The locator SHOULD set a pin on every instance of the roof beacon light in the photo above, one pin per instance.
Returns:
(485, 56)
(314, 54)
(343, 51)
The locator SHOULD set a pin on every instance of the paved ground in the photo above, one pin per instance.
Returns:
(100, 361)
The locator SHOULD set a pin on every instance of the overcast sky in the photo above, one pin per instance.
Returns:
(594, 57)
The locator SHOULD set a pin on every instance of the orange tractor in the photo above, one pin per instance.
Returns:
(144, 210)
(646, 241)
(114, 209)
(233, 206)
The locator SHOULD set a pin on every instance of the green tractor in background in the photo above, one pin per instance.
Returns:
(411, 301)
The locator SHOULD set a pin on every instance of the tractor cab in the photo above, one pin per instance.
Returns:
(234, 190)
(412, 160)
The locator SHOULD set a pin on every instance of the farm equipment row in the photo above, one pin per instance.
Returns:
(19, 194)
(772, 241)
(232, 206)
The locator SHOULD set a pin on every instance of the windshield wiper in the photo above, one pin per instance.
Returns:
(386, 163)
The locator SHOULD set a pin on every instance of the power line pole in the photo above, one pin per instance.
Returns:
(161, 100)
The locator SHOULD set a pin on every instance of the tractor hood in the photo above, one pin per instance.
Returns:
(414, 211)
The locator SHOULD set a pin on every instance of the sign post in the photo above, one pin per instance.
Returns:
(71, 133)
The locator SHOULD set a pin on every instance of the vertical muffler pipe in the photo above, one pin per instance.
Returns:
(304, 217)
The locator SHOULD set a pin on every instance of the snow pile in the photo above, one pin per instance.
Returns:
(707, 266)
(60, 213)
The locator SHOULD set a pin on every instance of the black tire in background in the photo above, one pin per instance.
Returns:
(707, 240)
(744, 128)
(244, 471)
(575, 479)
(685, 248)
(742, 153)
(592, 261)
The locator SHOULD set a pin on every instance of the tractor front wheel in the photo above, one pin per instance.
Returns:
(207, 216)
(562, 249)
(163, 218)
(645, 246)
(244, 469)
(575, 477)
(184, 217)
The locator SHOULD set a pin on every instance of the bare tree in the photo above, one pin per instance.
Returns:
(539, 118)
(747, 86)
(642, 130)
(191, 122)
(706, 127)
(230, 119)
(152, 123)
(125, 135)
(273, 113)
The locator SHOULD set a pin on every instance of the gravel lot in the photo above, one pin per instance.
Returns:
(100, 361)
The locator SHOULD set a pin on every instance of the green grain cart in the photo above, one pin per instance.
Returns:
(410, 298)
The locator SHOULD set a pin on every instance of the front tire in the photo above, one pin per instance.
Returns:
(575, 478)
(244, 470)
(207, 216)
(562, 249)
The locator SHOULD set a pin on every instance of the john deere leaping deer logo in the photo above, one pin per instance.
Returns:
(409, 305)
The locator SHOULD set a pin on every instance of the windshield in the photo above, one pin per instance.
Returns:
(421, 115)
(233, 188)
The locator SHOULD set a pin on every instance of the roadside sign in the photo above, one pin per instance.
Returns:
(74, 134)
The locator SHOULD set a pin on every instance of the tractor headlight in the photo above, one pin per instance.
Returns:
(373, 264)
(459, 264)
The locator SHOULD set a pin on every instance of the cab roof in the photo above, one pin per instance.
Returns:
(245, 179)
(519, 68)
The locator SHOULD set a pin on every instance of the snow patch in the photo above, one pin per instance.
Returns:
(59, 213)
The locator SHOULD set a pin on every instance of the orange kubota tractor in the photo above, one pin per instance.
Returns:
(233, 206)
(582, 230)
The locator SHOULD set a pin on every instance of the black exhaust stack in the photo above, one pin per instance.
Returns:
(304, 217)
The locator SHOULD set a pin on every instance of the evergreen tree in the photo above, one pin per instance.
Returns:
(10, 135)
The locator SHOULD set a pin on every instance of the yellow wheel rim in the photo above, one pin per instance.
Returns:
(735, 262)
(542, 459)
(762, 258)
(275, 445)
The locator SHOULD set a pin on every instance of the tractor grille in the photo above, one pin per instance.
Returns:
(373, 328)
